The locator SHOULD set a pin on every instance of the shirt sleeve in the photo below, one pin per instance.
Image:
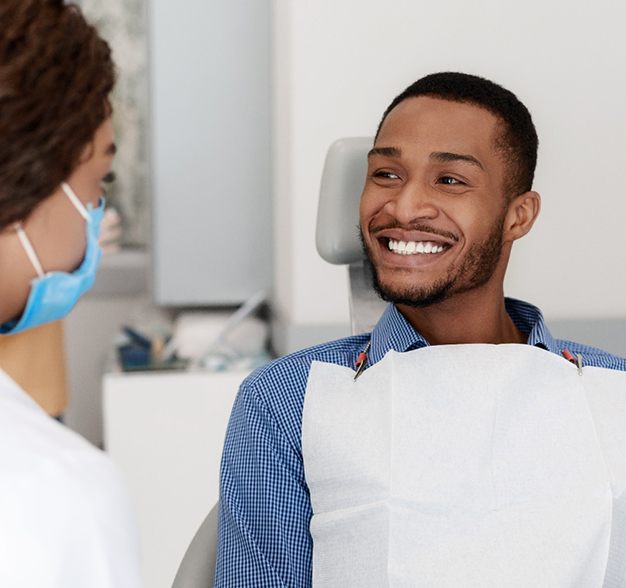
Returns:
(265, 508)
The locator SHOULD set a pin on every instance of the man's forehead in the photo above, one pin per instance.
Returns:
(436, 120)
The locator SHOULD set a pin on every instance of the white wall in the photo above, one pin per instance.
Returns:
(338, 63)
(210, 161)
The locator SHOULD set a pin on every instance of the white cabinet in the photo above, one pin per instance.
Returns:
(165, 431)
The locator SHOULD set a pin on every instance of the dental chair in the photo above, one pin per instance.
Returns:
(338, 242)
(197, 569)
(337, 232)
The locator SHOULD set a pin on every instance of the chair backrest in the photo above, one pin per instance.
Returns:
(337, 232)
(197, 570)
(343, 177)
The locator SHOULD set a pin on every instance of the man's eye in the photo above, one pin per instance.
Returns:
(386, 175)
(449, 181)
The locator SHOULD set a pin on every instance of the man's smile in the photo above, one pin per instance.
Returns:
(415, 247)
(412, 248)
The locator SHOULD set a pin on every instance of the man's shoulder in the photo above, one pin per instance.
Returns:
(277, 389)
(593, 356)
(291, 371)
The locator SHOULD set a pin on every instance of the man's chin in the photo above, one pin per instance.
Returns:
(398, 285)
(410, 295)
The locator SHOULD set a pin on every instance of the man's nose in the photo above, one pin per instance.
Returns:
(414, 201)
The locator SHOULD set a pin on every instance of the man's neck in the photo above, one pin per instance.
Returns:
(478, 316)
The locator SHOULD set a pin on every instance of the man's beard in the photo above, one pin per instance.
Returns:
(475, 270)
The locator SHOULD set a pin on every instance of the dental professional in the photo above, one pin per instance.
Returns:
(65, 520)
(474, 448)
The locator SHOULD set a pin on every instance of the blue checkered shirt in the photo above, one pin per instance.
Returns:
(265, 510)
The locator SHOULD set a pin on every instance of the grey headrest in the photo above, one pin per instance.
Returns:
(337, 235)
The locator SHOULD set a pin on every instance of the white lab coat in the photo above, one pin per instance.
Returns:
(65, 520)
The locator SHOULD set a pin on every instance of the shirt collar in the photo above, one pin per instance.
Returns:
(393, 331)
(529, 320)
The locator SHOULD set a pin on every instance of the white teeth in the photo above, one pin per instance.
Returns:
(413, 247)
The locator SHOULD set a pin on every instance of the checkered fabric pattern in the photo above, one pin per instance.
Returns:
(265, 510)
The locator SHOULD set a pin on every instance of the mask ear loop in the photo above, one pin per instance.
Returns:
(76, 201)
(30, 252)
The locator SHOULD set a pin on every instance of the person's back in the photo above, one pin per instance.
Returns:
(66, 520)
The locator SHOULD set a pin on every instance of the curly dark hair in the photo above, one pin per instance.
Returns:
(56, 74)
(518, 141)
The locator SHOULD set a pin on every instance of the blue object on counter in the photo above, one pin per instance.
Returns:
(136, 354)
(137, 338)
(132, 356)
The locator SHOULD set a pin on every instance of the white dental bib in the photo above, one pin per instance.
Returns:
(467, 465)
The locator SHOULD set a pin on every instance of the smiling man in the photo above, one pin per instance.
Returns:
(470, 451)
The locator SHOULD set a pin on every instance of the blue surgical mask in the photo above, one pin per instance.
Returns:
(54, 294)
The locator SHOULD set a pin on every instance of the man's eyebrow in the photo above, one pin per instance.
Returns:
(384, 152)
(445, 156)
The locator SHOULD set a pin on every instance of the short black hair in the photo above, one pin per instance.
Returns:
(518, 141)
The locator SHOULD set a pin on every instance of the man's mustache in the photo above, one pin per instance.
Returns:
(416, 226)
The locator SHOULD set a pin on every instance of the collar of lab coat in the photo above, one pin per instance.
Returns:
(9, 388)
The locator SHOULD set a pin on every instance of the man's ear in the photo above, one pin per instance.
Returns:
(522, 212)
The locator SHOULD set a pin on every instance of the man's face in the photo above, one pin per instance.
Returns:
(433, 206)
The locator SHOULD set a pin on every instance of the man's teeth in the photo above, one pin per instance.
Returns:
(413, 247)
